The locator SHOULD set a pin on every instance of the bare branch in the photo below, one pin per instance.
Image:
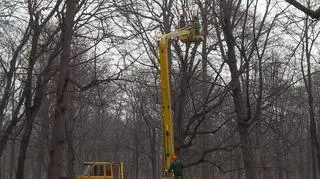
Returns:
(312, 13)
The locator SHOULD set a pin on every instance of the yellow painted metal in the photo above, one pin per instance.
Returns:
(108, 170)
(121, 176)
(166, 104)
(187, 35)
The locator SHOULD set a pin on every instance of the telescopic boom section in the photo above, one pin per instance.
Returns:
(166, 105)
(187, 35)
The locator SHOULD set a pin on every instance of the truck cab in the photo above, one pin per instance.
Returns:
(102, 170)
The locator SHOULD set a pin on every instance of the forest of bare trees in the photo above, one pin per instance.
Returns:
(80, 82)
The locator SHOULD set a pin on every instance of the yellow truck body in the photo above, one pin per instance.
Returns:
(102, 170)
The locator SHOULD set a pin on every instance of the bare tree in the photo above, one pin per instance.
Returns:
(106, 105)
(307, 76)
(246, 38)
(58, 133)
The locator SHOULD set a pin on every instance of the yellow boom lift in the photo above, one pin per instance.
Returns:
(187, 33)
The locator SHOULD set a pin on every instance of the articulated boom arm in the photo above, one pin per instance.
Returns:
(189, 35)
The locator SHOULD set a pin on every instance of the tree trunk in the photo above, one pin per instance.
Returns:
(136, 149)
(2, 167)
(58, 130)
(30, 111)
(179, 113)
(12, 158)
(247, 153)
(205, 125)
(71, 152)
(315, 148)
(154, 154)
(43, 116)
(243, 122)
(13, 142)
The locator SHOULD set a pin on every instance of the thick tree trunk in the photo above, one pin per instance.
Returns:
(243, 120)
(58, 133)
(12, 158)
(71, 160)
(43, 116)
(181, 100)
(71, 152)
(179, 114)
(247, 153)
